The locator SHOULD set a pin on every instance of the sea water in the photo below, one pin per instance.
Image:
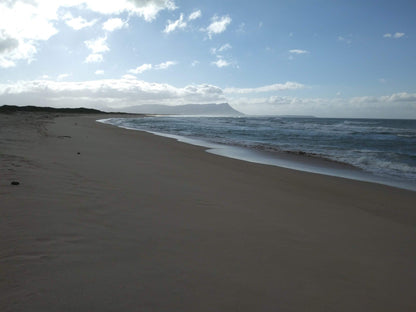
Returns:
(377, 150)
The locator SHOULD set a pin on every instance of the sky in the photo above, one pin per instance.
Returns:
(327, 58)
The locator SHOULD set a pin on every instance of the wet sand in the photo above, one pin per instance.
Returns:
(108, 219)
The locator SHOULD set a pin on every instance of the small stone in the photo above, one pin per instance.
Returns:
(79, 153)
(15, 183)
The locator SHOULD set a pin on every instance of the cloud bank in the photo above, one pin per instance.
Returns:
(111, 94)
(105, 93)
(397, 105)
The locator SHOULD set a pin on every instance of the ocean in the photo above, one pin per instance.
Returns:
(375, 150)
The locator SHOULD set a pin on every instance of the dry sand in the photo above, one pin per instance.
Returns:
(136, 222)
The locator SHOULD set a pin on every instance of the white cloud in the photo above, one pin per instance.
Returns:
(221, 63)
(146, 67)
(165, 65)
(194, 63)
(396, 35)
(173, 25)
(31, 20)
(218, 25)
(298, 51)
(114, 23)
(148, 9)
(99, 72)
(97, 47)
(12, 50)
(94, 58)
(62, 77)
(294, 52)
(22, 25)
(131, 77)
(222, 48)
(141, 69)
(25, 23)
(195, 15)
(77, 23)
(268, 88)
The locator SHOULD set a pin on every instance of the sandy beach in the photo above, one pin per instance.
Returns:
(108, 219)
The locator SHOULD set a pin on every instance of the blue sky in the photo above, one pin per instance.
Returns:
(325, 58)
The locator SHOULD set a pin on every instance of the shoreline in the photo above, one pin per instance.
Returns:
(109, 219)
(287, 160)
